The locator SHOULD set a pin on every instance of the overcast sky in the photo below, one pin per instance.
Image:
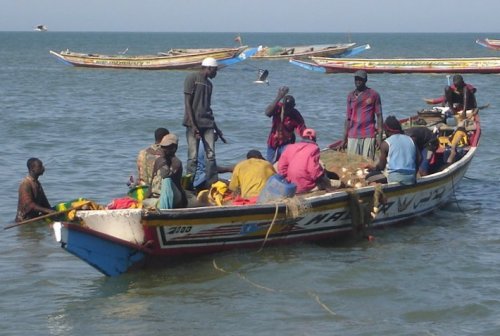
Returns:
(252, 15)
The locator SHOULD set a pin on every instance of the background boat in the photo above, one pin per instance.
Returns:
(489, 43)
(40, 28)
(327, 50)
(176, 59)
(484, 65)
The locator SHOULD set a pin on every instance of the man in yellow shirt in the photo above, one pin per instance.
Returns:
(250, 175)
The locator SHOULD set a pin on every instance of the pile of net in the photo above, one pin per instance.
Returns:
(349, 168)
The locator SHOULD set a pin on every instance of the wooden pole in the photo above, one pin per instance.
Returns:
(52, 214)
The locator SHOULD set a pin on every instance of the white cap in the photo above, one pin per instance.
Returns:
(209, 62)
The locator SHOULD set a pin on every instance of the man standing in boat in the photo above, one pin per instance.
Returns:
(199, 119)
(363, 124)
(32, 200)
(286, 120)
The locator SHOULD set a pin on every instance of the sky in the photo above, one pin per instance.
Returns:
(252, 15)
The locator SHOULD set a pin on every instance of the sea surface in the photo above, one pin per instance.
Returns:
(438, 276)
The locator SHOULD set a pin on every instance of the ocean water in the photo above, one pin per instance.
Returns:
(438, 276)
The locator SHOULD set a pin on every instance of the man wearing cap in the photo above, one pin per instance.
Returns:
(199, 119)
(398, 153)
(147, 157)
(166, 190)
(286, 120)
(363, 124)
(299, 164)
(250, 176)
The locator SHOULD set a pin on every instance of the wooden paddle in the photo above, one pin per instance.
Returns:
(52, 214)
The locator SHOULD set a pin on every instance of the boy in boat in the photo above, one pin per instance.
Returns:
(32, 200)
(250, 175)
(285, 120)
(363, 124)
(147, 157)
(398, 153)
(299, 164)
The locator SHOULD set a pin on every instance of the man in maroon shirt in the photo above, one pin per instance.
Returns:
(32, 200)
(286, 120)
(363, 125)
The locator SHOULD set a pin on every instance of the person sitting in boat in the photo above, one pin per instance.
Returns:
(299, 164)
(285, 120)
(32, 201)
(250, 176)
(398, 153)
(457, 96)
(166, 190)
(427, 144)
(147, 157)
(455, 143)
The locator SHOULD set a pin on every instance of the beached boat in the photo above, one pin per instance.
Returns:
(326, 50)
(116, 241)
(177, 59)
(485, 65)
(489, 43)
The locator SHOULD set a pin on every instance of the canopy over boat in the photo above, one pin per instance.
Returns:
(116, 241)
(174, 59)
(484, 65)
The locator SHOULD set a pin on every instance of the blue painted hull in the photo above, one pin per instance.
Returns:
(107, 254)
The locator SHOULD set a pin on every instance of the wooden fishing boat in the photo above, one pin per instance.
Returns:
(174, 60)
(485, 65)
(326, 50)
(117, 241)
(489, 43)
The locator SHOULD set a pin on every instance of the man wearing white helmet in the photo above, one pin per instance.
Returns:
(199, 119)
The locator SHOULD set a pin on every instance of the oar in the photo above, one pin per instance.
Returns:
(52, 214)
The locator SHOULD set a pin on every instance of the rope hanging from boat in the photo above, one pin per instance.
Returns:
(294, 206)
(271, 226)
(362, 213)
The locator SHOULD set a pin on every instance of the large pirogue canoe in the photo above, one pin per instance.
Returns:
(116, 241)
(326, 50)
(489, 43)
(176, 59)
(484, 65)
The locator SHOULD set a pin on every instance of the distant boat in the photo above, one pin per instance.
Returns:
(326, 50)
(489, 43)
(401, 65)
(176, 59)
(40, 28)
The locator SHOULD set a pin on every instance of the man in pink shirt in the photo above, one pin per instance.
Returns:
(300, 165)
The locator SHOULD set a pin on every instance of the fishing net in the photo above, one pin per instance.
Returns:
(349, 168)
(296, 207)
